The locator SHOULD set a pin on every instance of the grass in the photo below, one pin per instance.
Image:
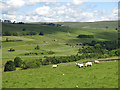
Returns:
(103, 75)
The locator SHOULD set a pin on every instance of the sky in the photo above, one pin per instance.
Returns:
(59, 10)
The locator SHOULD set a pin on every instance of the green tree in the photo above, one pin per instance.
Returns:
(7, 40)
(98, 46)
(7, 33)
(9, 66)
(18, 62)
(11, 49)
(37, 47)
(15, 34)
(41, 33)
(117, 52)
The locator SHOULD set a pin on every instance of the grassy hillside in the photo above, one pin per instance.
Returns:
(103, 75)
(62, 36)
(63, 41)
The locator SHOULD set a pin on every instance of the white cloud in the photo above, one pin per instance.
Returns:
(15, 3)
(78, 2)
(45, 10)
(33, 2)
(59, 12)
(9, 17)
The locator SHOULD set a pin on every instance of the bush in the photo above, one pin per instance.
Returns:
(85, 36)
(51, 52)
(41, 33)
(37, 47)
(10, 66)
(31, 64)
(18, 62)
(7, 33)
(11, 49)
(7, 40)
(15, 34)
(32, 33)
(24, 65)
(23, 29)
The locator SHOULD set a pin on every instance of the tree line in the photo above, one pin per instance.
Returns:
(7, 33)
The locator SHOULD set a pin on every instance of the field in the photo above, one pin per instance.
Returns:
(103, 75)
(62, 35)
(62, 41)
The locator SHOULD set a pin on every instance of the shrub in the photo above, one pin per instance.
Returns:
(45, 62)
(85, 36)
(51, 52)
(18, 62)
(37, 47)
(7, 40)
(24, 65)
(15, 34)
(10, 66)
(41, 33)
(7, 33)
(32, 33)
(23, 29)
(117, 52)
(36, 53)
(11, 49)
(31, 64)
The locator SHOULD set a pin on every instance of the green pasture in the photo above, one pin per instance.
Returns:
(103, 75)
(62, 41)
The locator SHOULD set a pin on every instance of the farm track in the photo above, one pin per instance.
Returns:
(109, 59)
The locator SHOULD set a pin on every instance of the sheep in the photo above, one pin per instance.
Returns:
(88, 64)
(54, 66)
(80, 65)
(76, 64)
(96, 62)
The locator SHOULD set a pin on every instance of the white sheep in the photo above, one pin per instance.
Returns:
(88, 64)
(54, 66)
(76, 64)
(96, 62)
(80, 65)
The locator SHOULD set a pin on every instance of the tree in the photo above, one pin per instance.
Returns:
(11, 49)
(10, 66)
(117, 52)
(106, 27)
(41, 33)
(7, 40)
(37, 47)
(15, 34)
(23, 29)
(7, 33)
(32, 33)
(98, 46)
(18, 62)
(24, 65)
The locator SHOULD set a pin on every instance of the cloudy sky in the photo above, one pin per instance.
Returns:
(59, 10)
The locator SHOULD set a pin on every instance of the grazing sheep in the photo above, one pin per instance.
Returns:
(54, 66)
(96, 62)
(80, 65)
(76, 64)
(88, 64)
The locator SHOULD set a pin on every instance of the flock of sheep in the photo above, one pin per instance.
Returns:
(81, 65)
